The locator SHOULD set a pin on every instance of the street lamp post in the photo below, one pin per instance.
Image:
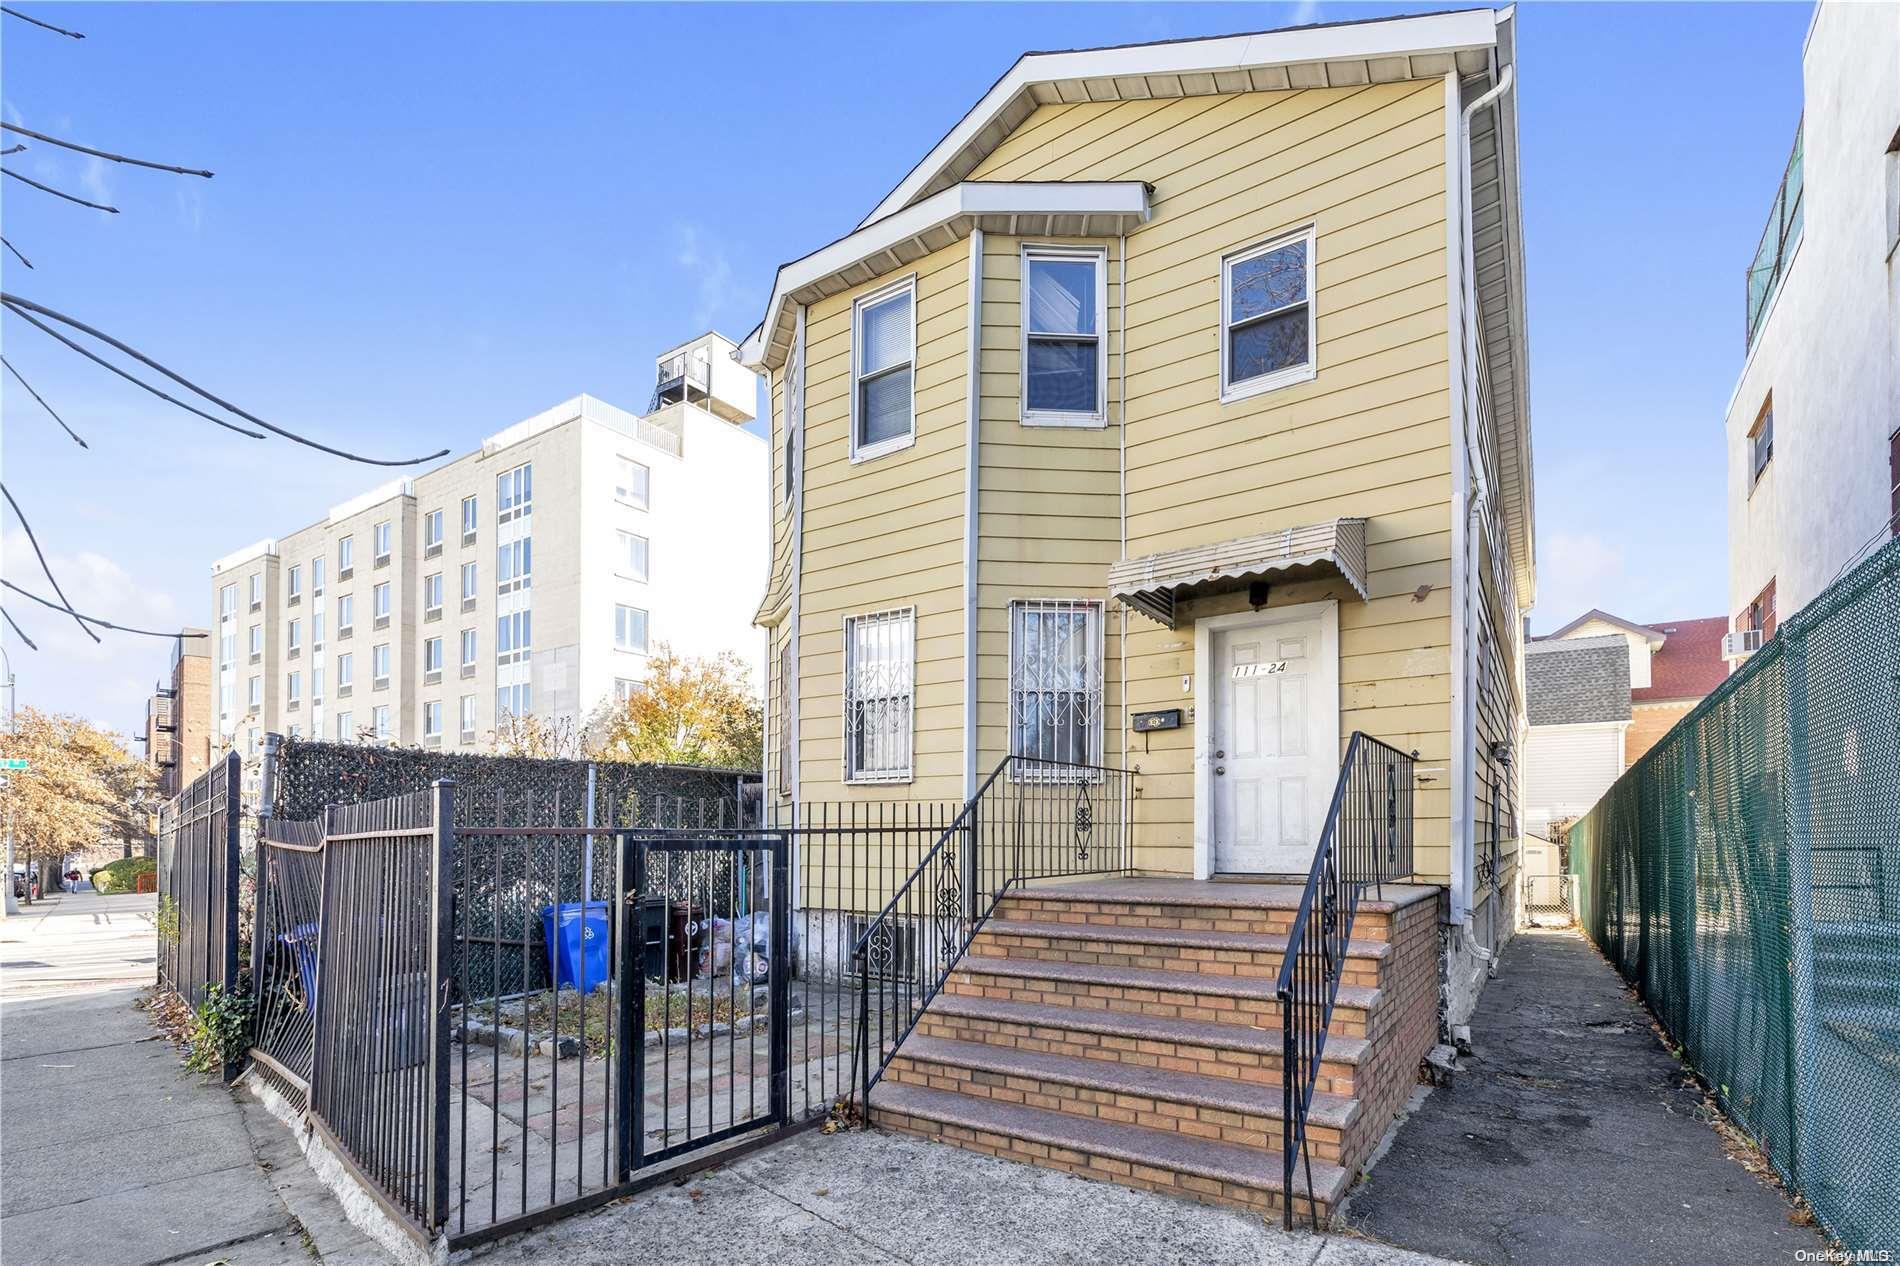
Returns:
(8, 906)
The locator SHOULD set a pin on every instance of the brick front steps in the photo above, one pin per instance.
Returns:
(1128, 1030)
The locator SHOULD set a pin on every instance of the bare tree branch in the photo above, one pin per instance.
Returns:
(97, 359)
(18, 305)
(11, 149)
(99, 153)
(96, 206)
(57, 30)
(16, 252)
(18, 632)
(34, 541)
(49, 408)
(93, 619)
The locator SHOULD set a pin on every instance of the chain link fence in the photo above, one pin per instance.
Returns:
(1745, 875)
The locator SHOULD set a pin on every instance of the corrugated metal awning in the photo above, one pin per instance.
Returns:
(1152, 583)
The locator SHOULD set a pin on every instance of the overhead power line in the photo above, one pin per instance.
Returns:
(49, 408)
(45, 566)
(93, 619)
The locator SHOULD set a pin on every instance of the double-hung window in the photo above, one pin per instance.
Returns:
(468, 519)
(632, 556)
(468, 719)
(380, 537)
(345, 557)
(293, 689)
(345, 671)
(257, 592)
(432, 719)
(633, 482)
(880, 655)
(1065, 362)
(1055, 685)
(1267, 316)
(316, 574)
(257, 643)
(468, 648)
(345, 614)
(1761, 442)
(294, 583)
(345, 727)
(514, 493)
(256, 695)
(293, 641)
(884, 335)
(514, 565)
(432, 531)
(432, 656)
(468, 585)
(379, 604)
(379, 721)
(379, 667)
(630, 629)
(432, 596)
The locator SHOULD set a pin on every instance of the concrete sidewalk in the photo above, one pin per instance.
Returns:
(1569, 1136)
(867, 1196)
(111, 1151)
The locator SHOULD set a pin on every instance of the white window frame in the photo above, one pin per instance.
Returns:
(470, 582)
(432, 589)
(623, 562)
(432, 529)
(1060, 417)
(905, 285)
(469, 648)
(293, 581)
(465, 718)
(380, 601)
(894, 774)
(432, 718)
(345, 557)
(293, 635)
(624, 495)
(379, 722)
(345, 606)
(382, 543)
(316, 574)
(647, 642)
(471, 517)
(380, 681)
(346, 727)
(1096, 688)
(514, 493)
(1232, 391)
(346, 671)
(432, 654)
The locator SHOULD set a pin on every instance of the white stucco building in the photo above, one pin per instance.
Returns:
(1812, 459)
(534, 575)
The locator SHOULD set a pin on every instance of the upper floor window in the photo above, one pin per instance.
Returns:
(514, 636)
(468, 582)
(255, 695)
(1065, 370)
(514, 493)
(316, 630)
(468, 519)
(380, 537)
(884, 333)
(345, 614)
(1055, 681)
(1761, 440)
(379, 721)
(379, 666)
(514, 565)
(293, 584)
(316, 574)
(345, 727)
(630, 629)
(432, 594)
(257, 592)
(345, 671)
(257, 642)
(293, 688)
(880, 653)
(631, 555)
(632, 482)
(794, 416)
(432, 719)
(468, 718)
(294, 640)
(1267, 316)
(432, 655)
(379, 601)
(345, 557)
(227, 601)
(468, 648)
(432, 530)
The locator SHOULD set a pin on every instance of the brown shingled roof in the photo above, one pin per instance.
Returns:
(1689, 664)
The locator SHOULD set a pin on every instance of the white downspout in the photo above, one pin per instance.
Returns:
(1121, 504)
(797, 543)
(1469, 499)
(972, 454)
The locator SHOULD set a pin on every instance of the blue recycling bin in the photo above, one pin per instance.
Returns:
(302, 941)
(577, 943)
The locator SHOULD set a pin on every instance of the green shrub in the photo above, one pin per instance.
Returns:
(220, 1031)
(122, 875)
(167, 921)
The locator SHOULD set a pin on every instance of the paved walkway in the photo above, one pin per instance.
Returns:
(868, 1196)
(112, 1152)
(1569, 1136)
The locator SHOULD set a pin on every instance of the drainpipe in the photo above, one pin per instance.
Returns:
(1472, 496)
(972, 457)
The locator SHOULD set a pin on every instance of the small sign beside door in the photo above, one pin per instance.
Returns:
(1270, 668)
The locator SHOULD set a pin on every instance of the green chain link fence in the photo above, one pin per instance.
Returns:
(1745, 876)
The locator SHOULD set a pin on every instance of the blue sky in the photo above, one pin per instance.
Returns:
(431, 221)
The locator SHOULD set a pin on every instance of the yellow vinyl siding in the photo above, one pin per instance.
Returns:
(1369, 436)
(886, 532)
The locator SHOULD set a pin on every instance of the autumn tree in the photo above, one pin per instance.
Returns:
(81, 787)
(688, 712)
(535, 737)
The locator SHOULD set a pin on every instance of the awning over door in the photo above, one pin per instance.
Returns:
(1153, 583)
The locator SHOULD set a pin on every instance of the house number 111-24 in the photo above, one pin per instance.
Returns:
(1267, 669)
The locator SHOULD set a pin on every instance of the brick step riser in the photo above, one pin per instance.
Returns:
(1348, 1021)
(999, 942)
(1246, 1129)
(1335, 1078)
(1100, 1168)
(1368, 925)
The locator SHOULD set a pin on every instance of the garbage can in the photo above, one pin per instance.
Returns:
(302, 940)
(578, 947)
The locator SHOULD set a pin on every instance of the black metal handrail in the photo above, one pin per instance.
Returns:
(1366, 841)
(1031, 819)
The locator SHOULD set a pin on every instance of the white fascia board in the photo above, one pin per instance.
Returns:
(971, 198)
(403, 487)
(1427, 33)
(261, 548)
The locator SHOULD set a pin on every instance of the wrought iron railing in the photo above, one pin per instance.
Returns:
(1031, 819)
(1367, 840)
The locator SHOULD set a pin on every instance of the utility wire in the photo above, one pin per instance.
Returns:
(57, 30)
(11, 149)
(97, 359)
(16, 252)
(39, 554)
(96, 206)
(49, 408)
(18, 632)
(20, 305)
(93, 619)
(100, 153)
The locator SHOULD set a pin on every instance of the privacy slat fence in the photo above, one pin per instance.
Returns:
(198, 869)
(1745, 875)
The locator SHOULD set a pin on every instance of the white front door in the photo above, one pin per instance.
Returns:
(1273, 742)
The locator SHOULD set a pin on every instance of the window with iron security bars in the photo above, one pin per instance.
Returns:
(1055, 684)
(880, 660)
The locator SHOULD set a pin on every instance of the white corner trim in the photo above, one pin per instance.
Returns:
(972, 504)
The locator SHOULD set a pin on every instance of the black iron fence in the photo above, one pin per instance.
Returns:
(1367, 841)
(1030, 820)
(198, 867)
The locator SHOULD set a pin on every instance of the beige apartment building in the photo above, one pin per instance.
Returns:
(533, 576)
